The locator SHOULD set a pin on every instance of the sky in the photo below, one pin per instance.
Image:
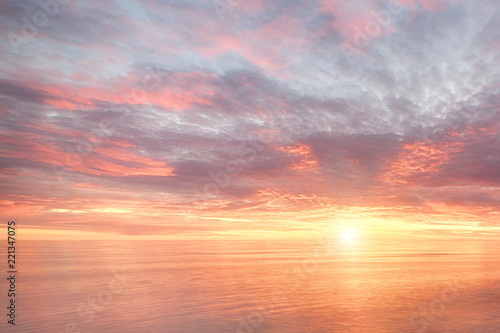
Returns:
(233, 119)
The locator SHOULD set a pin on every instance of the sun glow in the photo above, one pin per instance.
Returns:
(348, 236)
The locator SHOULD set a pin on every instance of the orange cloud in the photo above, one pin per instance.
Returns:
(423, 158)
(418, 158)
(110, 161)
(304, 159)
(179, 91)
(115, 160)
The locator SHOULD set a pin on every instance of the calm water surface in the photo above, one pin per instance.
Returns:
(253, 286)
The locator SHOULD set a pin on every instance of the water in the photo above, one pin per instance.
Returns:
(253, 286)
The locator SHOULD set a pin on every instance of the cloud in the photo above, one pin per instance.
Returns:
(157, 100)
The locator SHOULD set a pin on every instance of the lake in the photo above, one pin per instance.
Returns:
(254, 287)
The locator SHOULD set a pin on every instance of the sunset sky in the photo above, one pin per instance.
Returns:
(233, 119)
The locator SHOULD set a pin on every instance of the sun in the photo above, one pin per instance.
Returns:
(348, 236)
